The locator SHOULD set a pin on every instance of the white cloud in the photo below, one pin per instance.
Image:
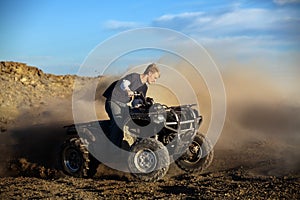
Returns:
(243, 29)
(120, 25)
(246, 21)
(283, 2)
(245, 18)
(169, 17)
(182, 21)
(240, 32)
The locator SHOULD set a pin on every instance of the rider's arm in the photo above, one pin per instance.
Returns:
(125, 87)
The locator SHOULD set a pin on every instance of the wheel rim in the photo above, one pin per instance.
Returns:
(72, 160)
(145, 161)
(194, 152)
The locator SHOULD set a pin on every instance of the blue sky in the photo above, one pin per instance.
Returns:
(57, 35)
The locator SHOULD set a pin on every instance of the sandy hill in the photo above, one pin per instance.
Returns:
(25, 87)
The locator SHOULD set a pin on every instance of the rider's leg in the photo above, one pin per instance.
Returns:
(115, 112)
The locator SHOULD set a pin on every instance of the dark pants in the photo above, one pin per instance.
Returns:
(117, 112)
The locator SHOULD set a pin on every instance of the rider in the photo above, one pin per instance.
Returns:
(120, 92)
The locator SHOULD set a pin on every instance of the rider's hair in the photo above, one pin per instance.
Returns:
(152, 68)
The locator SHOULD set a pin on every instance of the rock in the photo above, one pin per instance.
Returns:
(23, 80)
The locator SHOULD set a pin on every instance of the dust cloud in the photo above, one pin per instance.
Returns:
(261, 130)
(33, 143)
(262, 123)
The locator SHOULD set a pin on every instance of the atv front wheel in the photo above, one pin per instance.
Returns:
(198, 156)
(149, 160)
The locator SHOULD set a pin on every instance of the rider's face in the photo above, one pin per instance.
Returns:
(152, 77)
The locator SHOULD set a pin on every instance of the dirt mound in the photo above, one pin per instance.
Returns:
(34, 108)
(25, 88)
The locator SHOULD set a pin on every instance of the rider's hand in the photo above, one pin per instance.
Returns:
(130, 93)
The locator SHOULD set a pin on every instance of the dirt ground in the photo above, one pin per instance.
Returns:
(229, 184)
(248, 172)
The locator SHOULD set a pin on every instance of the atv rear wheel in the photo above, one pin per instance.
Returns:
(149, 160)
(76, 160)
(198, 156)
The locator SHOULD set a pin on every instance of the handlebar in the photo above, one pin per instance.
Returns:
(142, 100)
(137, 94)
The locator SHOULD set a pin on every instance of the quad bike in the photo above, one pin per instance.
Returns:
(159, 134)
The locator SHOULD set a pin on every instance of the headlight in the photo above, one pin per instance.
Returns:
(161, 118)
(157, 113)
(158, 119)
